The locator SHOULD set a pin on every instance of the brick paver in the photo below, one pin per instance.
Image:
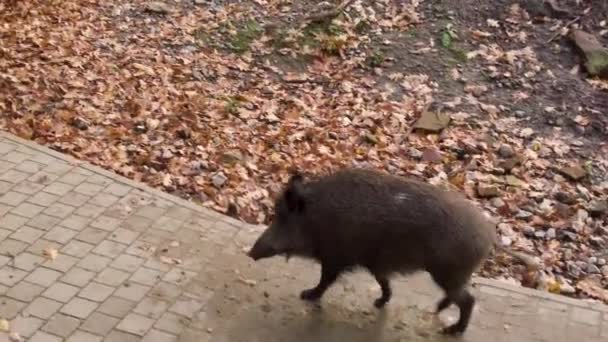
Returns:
(136, 264)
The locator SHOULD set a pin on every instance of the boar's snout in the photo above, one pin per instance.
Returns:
(262, 248)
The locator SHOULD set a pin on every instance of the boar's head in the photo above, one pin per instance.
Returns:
(287, 233)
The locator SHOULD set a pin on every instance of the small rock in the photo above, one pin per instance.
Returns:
(604, 271)
(506, 241)
(433, 122)
(597, 208)
(574, 270)
(219, 179)
(513, 181)
(487, 191)
(601, 261)
(566, 289)
(231, 157)
(431, 155)
(497, 202)
(184, 133)
(566, 235)
(510, 163)
(592, 260)
(523, 215)
(167, 154)
(551, 234)
(539, 235)
(574, 173)
(415, 153)
(529, 231)
(562, 210)
(591, 268)
(596, 55)
(565, 197)
(596, 241)
(80, 123)
(506, 151)
(157, 7)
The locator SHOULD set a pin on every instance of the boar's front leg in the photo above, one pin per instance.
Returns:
(385, 286)
(329, 274)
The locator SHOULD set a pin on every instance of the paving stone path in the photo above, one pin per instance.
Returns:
(86, 255)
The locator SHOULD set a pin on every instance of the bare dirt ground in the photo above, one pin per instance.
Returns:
(216, 101)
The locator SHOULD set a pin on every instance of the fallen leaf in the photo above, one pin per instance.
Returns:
(4, 325)
(50, 253)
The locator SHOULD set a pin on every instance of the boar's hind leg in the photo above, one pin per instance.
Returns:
(443, 304)
(456, 292)
(385, 286)
(329, 274)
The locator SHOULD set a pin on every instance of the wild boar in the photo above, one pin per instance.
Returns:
(386, 224)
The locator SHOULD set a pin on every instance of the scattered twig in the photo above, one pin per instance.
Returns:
(330, 14)
(559, 32)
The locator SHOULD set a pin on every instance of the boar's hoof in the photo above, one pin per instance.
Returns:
(453, 330)
(310, 295)
(380, 302)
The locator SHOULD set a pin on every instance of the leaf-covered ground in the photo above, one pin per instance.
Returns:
(216, 101)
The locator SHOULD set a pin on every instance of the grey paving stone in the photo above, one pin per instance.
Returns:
(61, 292)
(28, 210)
(43, 199)
(151, 307)
(146, 276)
(112, 277)
(74, 199)
(43, 222)
(109, 248)
(15, 157)
(172, 323)
(60, 235)
(27, 261)
(10, 247)
(78, 276)
(131, 291)
(106, 223)
(61, 325)
(83, 336)
(9, 308)
(92, 235)
(96, 292)
(76, 222)
(121, 336)
(123, 236)
(79, 307)
(93, 262)
(89, 210)
(103, 200)
(61, 263)
(116, 307)
(9, 276)
(100, 324)
(28, 166)
(27, 234)
(13, 198)
(88, 189)
(13, 176)
(58, 188)
(26, 187)
(117, 189)
(127, 263)
(77, 248)
(24, 291)
(59, 210)
(159, 336)
(41, 336)
(12, 222)
(72, 178)
(42, 308)
(26, 326)
(43, 276)
(135, 324)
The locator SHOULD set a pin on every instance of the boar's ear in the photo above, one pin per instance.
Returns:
(293, 194)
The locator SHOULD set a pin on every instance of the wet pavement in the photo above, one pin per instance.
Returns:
(86, 255)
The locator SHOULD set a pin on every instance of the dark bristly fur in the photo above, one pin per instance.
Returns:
(386, 224)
